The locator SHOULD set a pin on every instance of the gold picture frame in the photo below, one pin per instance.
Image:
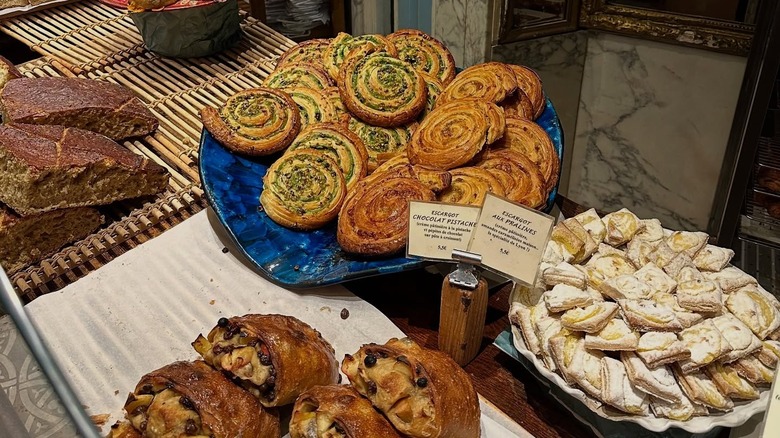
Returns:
(503, 33)
(705, 33)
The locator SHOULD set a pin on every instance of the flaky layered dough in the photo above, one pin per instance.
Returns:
(374, 220)
(452, 134)
(193, 399)
(492, 82)
(334, 96)
(337, 411)
(399, 167)
(313, 104)
(470, 185)
(258, 121)
(276, 357)
(435, 88)
(519, 106)
(343, 45)
(380, 89)
(519, 175)
(303, 190)
(307, 51)
(530, 84)
(338, 143)
(381, 143)
(424, 53)
(423, 392)
(532, 141)
(299, 74)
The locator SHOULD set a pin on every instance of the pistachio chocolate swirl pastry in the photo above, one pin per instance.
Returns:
(303, 190)
(258, 121)
(434, 88)
(313, 105)
(455, 132)
(339, 110)
(343, 46)
(374, 219)
(423, 392)
(470, 185)
(275, 357)
(381, 143)
(425, 53)
(521, 178)
(310, 51)
(492, 81)
(298, 74)
(531, 85)
(531, 140)
(193, 399)
(337, 411)
(338, 143)
(382, 90)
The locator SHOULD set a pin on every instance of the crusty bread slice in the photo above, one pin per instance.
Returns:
(29, 239)
(44, 168)
(7, 72)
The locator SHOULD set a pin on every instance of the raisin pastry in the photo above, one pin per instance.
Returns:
(706, 344)
(661, 348)
(590, 319)
(615, 336)
(618, 391)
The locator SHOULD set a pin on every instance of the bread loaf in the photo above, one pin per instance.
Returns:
(44, 168)
(102, 107)
(7, 72)
(29, 239)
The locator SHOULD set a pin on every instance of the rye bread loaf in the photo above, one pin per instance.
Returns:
(46, 167)
(7, 72)
(102, 107)
(29, 239)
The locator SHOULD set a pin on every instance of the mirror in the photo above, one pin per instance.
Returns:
(526, 19)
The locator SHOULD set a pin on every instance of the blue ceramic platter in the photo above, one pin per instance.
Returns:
(297, 259)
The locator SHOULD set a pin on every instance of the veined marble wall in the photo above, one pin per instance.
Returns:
(464, 27)
(371, 16)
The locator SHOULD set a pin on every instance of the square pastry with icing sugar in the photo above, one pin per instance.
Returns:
(769, 353)
(713, 258)
(742, 340)
(700, 295)
(730, 279)
(639, 252)
(563, 297)
(615, 336)
(521, 317)
(565, 273)
(755, 310)
(571, 245)
(618, 391)
(687, 242)
(701, 389)
(730, 383)
(656, 279)
(591, 221)
(706, 344)
(589, 245)
(589, 319)
(649, 316)
(682, 411)
(622, 226)
(603, 267)
(685, 316)
(651, 231)
(658, 382)
(661, 348)
(563, 346)
(626, 287)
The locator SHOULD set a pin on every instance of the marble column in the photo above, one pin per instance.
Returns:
(464, 27)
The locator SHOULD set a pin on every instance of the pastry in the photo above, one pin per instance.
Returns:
(400, 167)
(434, 88)
(615, 336)
(382, 143)
(701, 389)
(337, 411)
(590, 319)
(589, 246)
(686, 317)
(604, 267)
(470, 185)
(563, 297)
(451, 135)
(344, 46)
(656, 279)
(313, 105)
(607, 250)
(769, 353)
(546, 326)
(688, 242)
(639, 252)
(519, 106)
(700, 296)
(753, 370)
(621, 226)
(769, 178)
(382, 90)
(677, 264)
(569, 244)
(554, 253)
(585, 369)
(423, 392)
(691, 273)
(682, 411)
(730, 383)
(522, 317)
(525, 184)
(309, 51)
(258, 121)
(275, 357)
(490, 82)
(374, 220)
(730, 279)
(617, 390)
(706, 344)
(591, 221)
(193, 399)
(531, 85)
(424, 53)
(662, 255)
(98, 106)
(340, 112)
(7, 72)
(713, 258)
(51, 167)
(649, 316)
(755, 310)
(531, 140)
(661, 348)
(564, 273)
(148, 5)
(658, 382)
(338, 143)
(563, 347)
(651, 231)
(298, 74)
(625, 286)
(303, 190)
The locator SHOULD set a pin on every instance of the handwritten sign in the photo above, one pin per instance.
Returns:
(511, 238)
(435, 229)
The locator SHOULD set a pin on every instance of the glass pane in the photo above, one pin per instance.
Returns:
(527, 13)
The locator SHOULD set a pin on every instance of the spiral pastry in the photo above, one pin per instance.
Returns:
(531, 140)
(454, 133)
(381, 143)
(338, 143)
(340, 49)
(425, 53)
(340, 111)
(470, 185)
(530, 83)
(374, 221)
(400, 167)
(381, 90)
(492, 81)
(434, 88)
(519, 106)
(303, 190)
(258, 121)
(313, 105)
(308, 51)
(298, 74)
(521, 178)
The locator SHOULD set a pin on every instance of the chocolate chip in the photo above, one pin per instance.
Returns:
(186, 402)
(403, 359)
(371, 387)
(340, 378)
(271, 381)
(242, 335)
(338, 428)
(272, 371)
(190, 428)
(140, 409)
(146, 389)
(265, 359)
(271, 395)
(370, 360)
(422, 382)
(142, 426)
(344, 313)
(223, 322)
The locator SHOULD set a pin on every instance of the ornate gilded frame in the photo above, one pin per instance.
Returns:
(704, 33)
(501, 24)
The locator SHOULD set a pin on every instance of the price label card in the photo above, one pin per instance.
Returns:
(435, 229)
(511, 238)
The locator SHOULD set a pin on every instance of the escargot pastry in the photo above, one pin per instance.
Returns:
(519, 106)
(334, 96)
(532, 141)
(526, 183)
(531, 85)
(310, 51)
(492, 82)
(424, 53)
(193, 399)
(275, 357)
(382, 143)
(258, 121)
(399, 167)
(338, 143)
(452, 134)
(470, 185)
(343, 46)
(303, 190)
(434, 90)
(380, 89)
(423, 392)
(374, 220)
(314, 106)
(337, 411)
(298, 74)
